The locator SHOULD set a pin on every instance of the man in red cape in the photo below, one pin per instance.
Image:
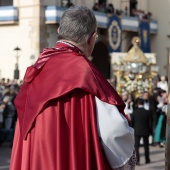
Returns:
(69, 116)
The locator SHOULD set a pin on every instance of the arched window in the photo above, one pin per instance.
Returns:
(133, 6)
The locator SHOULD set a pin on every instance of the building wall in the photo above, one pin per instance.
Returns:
(26, 35)
(117, 4)
(51, 2)
(52, 32)
(160, 42)
(8, 43)
(89, 4)
(32, 35)
(143, 5)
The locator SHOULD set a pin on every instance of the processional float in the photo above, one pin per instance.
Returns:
(135, 71)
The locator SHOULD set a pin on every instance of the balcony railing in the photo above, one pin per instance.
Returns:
(53, 15)
(8, 15)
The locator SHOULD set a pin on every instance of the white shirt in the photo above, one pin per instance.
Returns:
(146, 105)
(163, 85)
(129, 110)
(117, 137)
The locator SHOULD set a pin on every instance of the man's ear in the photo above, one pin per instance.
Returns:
(91, 38)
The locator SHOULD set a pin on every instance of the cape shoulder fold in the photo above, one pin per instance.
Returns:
(60, 74)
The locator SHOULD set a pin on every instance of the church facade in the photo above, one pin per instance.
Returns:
(32, 25)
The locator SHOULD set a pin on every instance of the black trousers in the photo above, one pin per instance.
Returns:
(146, 147)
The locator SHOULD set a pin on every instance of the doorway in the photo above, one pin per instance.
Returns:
(101, 58)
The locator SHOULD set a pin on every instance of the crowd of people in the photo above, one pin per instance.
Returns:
(109, 9)
(141, 14)
(133, 11)
(103, 7)
(147, 115)
(8, 115)
(151, 128)
(156, 104)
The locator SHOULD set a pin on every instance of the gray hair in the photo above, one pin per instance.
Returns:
(77, 24)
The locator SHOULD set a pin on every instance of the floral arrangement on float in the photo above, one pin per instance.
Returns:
(135, 86)
(134, 74)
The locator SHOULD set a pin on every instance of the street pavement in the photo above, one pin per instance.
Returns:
(157, 156)
(5, 152)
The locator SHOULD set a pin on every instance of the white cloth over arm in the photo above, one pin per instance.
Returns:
(117, 137)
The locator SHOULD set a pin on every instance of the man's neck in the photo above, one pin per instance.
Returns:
(83, 48)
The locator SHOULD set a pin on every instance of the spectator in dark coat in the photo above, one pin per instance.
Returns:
(150, 104)
(142, 123)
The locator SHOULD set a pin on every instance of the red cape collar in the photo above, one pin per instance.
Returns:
(47, 53)
(61, 47)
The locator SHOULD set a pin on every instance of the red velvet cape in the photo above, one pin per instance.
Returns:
(57, 128)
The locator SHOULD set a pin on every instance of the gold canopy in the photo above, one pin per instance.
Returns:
(135, 55)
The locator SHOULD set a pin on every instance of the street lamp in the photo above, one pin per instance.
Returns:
(16, 71)
(32, 59)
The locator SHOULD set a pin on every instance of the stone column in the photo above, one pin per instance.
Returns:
(33, 12)
(143, 5)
